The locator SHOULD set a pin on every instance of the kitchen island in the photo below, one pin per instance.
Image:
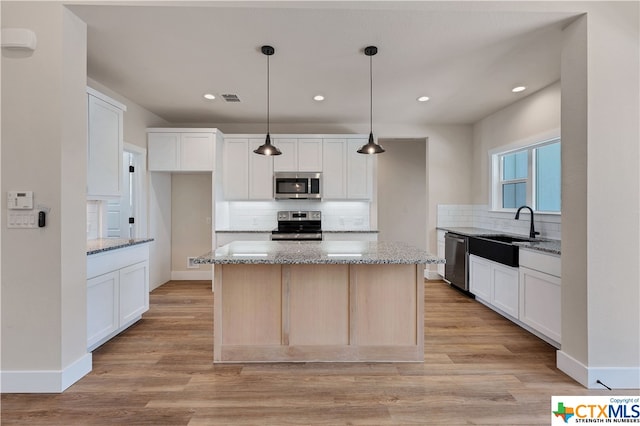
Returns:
(287, 301)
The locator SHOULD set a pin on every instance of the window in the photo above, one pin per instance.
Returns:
(528, 176)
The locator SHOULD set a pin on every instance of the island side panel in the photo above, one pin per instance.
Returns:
(386, 299)
(251, 305)
(420, 304)
(319, 305)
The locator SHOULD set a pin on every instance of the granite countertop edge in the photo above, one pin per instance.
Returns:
(317, 253)
(327, 231)
(101, 245)
(545, 245)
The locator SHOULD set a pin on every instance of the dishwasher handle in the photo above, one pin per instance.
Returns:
(457, 239)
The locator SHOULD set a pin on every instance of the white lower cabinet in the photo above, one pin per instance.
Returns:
(102, 310)
(494, 284)
(117, 292)
(540, 294)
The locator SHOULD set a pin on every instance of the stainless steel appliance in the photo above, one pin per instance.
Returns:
(297, 185)
(298, 226)
(456, 253)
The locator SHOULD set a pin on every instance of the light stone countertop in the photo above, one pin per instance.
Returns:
(538, 244)
(317, 252)
(328, 231)
(106, 244)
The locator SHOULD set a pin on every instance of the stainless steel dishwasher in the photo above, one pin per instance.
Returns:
(456, 253)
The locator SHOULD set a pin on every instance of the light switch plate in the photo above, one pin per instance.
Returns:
(22, 220)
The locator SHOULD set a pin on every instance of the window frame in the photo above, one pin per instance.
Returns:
(497, 164)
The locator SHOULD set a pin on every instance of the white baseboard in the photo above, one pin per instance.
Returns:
(432, 275)
(614, 377)
(191, 275)
(45, 381)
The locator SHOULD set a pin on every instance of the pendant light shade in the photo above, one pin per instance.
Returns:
(371, 147)
(267, 148)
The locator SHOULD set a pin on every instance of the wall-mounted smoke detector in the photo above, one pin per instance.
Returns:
(230, 97)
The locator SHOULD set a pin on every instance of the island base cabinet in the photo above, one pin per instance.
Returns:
(327, 312)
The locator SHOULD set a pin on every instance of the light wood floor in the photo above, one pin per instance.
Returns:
(479, 369)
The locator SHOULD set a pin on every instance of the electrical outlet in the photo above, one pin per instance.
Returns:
(190, 264)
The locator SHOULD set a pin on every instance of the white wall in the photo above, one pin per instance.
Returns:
(44, 150)
(600, 133)
(191, 223)
(527, 121)
(402, 190)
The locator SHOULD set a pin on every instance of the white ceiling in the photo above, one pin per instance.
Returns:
(467, 60)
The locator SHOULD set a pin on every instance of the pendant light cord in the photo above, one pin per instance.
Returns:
(371, 94)
(268, 94)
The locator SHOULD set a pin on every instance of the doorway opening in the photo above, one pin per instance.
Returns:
(402, 191)
(126, 217)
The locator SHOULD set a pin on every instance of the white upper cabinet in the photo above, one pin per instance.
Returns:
(163, 151)
(246, 175)
(105, 142)
(235, 169)
(310, 155)
(359, 171)
(197, 152)
(288, 160)
(334, 175)
(298, 155)
(260, 173)
(177, 150)
(347, 174)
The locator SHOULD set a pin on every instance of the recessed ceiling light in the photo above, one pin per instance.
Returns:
(209, 96)
(423, 99)
(318, 98)
(518, 89)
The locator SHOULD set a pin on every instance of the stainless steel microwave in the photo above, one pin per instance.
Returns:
(297, 185)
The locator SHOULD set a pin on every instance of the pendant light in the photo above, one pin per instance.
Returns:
(371, 147)
(267, 148)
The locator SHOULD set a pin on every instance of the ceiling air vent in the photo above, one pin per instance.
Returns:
(229, 97)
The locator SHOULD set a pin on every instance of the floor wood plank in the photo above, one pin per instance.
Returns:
(479, 369)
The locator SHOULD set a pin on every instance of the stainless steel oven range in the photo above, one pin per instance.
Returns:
(298, 226)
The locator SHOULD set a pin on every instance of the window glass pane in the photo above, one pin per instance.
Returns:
(548, 178)
(514, 166)
(514, 195)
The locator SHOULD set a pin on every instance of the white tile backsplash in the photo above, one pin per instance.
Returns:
(93, 220)
(261, 215)
(479, 216)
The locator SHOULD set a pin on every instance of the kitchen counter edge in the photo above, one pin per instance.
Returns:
(101, 245)
(545, 245)
(326, 231)
(316, 252)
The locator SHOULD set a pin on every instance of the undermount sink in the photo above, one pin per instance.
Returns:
(499, 248)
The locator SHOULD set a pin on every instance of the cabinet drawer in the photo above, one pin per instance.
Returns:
(547, 263)
(102, 263)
